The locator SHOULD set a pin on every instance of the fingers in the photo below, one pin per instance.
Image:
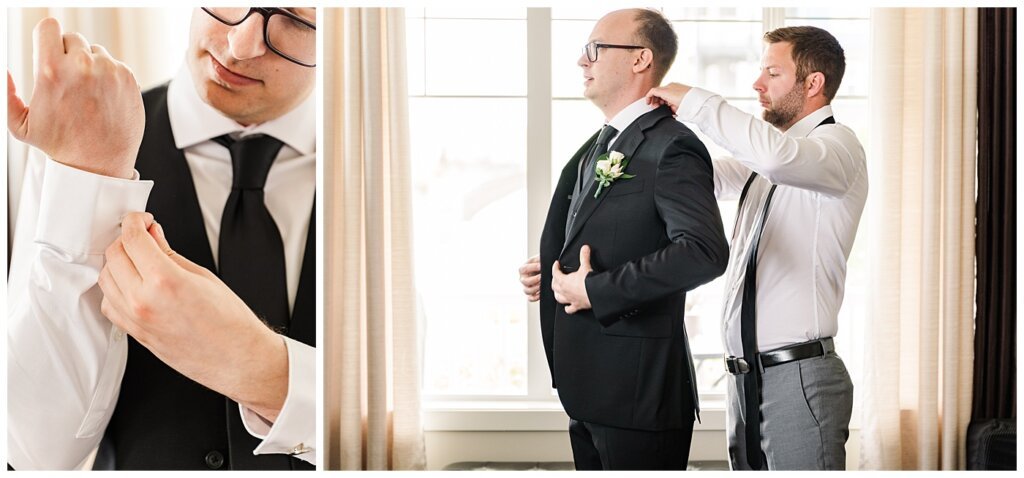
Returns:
(531, 267)
(114, 301)
(529, 276)
(143, 250)
(74, 41)
(157, 232)
(17, 111)
(48, 42)
(652, 96)
(99, 50)
(120, 268)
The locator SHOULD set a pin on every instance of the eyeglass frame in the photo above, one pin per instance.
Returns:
(599, 45)
(267, 13)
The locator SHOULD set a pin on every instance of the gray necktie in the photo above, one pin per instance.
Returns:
(585, 177)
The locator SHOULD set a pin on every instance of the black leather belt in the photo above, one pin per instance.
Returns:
(789, 353)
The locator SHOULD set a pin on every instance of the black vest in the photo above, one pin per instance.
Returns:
(164, 420)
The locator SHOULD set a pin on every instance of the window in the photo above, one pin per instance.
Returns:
(496, 110)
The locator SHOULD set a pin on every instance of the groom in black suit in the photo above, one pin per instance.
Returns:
(632, 226)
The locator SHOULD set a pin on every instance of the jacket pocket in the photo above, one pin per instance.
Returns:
(657, 326)
(622, 187)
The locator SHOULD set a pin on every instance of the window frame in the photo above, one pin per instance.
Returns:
(539, 409)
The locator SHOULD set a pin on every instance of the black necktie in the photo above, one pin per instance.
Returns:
(251, 254)
(748, 332)
(586, 173)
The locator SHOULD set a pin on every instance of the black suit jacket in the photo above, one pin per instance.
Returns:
(626, 362)
(164, 420)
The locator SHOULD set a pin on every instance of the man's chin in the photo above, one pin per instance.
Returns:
(230, 103)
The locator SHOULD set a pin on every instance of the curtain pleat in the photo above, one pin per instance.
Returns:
(919, 343)
(372, 402)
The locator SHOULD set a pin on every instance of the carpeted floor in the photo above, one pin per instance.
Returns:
(556, 466)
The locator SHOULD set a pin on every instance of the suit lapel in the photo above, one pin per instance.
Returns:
(627, 144)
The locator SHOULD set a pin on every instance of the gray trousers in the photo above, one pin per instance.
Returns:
(805, 415)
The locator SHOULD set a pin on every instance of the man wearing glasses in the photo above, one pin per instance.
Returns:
(622, 244)
(217, 369)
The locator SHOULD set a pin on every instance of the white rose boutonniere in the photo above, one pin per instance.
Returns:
(608, 168)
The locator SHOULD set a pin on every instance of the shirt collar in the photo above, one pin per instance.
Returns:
(629, 114)
(193, 121)
(804, 127)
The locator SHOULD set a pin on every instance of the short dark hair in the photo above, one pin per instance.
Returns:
(814, 50)
(654, 31)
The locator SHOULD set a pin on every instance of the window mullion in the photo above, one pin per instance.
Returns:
(538, 176)
(773, 18)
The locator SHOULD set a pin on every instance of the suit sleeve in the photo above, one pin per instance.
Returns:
(65, 360)
(698, 252)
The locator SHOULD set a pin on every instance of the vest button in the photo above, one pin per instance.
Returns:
(214, 460)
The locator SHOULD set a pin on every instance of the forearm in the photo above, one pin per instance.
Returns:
(818, 164)
(293, 430)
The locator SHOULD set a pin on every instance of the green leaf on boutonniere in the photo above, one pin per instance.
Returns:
(608, 168)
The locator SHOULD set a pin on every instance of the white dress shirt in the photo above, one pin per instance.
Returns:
(821, 173)
(626, 117)
(65, 359)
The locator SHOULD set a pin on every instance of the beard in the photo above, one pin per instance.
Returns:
(789, 106)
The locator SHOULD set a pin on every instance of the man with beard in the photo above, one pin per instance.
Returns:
(801, 186)
(125, 338)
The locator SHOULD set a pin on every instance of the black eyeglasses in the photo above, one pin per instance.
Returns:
(590, 49)
(284, 32)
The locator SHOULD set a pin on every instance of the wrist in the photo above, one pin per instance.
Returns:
(266, 386)
(120, 166)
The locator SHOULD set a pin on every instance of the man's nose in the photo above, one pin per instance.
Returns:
(245, 40)
(759, 85)
(583, 61)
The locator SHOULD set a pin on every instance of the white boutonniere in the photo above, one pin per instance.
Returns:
(608, 168)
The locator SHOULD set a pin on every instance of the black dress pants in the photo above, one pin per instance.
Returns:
(601, 447)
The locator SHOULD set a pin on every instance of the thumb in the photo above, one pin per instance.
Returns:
(157, 231)
(17, 111)
(585, 257)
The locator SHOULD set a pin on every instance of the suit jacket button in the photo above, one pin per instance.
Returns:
(214, 460)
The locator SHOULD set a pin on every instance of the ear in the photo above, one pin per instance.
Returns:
(643, 61)
(815, 84)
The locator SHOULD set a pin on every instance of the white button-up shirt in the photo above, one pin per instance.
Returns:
(65, 360)
(822, 179)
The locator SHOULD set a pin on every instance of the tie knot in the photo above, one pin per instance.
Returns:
(251, 158)
(604, 137)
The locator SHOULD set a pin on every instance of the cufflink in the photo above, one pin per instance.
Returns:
(300, 449)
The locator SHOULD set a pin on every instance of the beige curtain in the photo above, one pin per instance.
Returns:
(151, 41)
(919, 335)
(371, 354)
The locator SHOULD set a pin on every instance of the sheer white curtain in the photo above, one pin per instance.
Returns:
(371, 358)
(919, 336)
(151, 41)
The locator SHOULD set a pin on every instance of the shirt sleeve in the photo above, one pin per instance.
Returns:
(65, 360)
(294, 431)
(825, 163)
(730, 177)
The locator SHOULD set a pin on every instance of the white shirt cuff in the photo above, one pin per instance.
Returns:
(90, 206)
(692, 102)
(294, 431)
